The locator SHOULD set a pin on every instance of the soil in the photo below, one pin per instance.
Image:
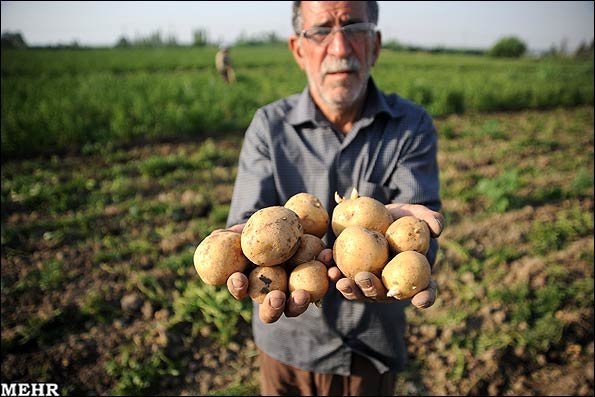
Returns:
(72, 348)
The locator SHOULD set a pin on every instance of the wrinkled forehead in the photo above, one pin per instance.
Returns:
(316, 13)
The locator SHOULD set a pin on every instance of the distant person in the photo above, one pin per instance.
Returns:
(340, 132)
(223, 64)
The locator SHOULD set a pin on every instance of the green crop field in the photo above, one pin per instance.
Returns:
(117, 163)
(57, 100)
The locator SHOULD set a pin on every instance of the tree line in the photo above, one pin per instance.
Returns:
(506, 47)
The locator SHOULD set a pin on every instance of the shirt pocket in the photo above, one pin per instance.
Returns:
(382, 193)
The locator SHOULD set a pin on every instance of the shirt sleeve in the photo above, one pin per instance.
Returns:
(417, 173)
(254, 186)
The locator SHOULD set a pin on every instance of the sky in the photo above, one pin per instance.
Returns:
(449, 24)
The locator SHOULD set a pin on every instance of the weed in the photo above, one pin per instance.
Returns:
(202, 304)
(500, 191)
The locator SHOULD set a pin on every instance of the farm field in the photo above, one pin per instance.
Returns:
(56, 101)
(117, 163)
(99, 293)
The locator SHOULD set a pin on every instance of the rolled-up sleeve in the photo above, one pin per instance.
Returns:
(416, 173)
(254, 186)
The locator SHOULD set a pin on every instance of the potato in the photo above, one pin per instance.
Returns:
(361, 211)
(406, 274)
(310, 247)
(311, 212)
(312, 277)
(263, 280)
(271, 236)
(408, 234)
(218, 256)
(358, 249)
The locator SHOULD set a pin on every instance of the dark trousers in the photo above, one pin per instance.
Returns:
(278, 379)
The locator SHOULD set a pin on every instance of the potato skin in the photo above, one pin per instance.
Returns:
(406, 274)
(264, 279)
(408, 233)
(361, 211)
(358, 249)
(271, 236)
(312, 214)
(312, 277)
(218, 256)
(309, 248)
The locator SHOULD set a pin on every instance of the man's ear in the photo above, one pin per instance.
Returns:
(377, 46)
(296, 49)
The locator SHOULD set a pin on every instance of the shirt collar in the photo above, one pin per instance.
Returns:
(377, 104)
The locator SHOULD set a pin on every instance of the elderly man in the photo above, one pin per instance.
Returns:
(341, 132)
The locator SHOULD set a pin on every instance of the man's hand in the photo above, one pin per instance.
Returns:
(368, 287)
(275, 303)
(435, 220)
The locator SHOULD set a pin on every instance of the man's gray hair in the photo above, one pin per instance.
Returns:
(298, 23)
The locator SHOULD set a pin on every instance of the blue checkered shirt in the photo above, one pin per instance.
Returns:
(390, 154)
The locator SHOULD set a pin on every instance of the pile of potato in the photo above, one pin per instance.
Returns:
(369, 240)
(279, 245)
(277, 248)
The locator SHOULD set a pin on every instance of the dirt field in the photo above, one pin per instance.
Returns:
(88, 304)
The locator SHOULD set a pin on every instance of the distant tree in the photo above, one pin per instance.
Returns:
(394, 45)
(13, 40)
(123, 42)
(201, 38)
(584, 50)
(171, 41)
(509, 47)
(257, 39)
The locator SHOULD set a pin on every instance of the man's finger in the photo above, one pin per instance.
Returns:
(297, 303)
(370, 285)
(272, 306)
(237, 228)
(436, 223)
(425, 298)
(326, 257)
(237, 284)
(334, 274)
(434, 219)
(349, 289)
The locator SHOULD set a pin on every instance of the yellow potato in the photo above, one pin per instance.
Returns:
(408, 234)
(406, 274)
(358, 249)
(271, 236)
(361, 211)
(312, 277)
(263, 280)
(310, 247)
(311, 212)
(218, 256)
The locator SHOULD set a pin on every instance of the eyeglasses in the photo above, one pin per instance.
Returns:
(322, 35)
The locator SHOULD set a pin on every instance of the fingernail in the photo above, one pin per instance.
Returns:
(277, 303)
(365, 283)
(301, 301)
(238, 284)
(347, 290)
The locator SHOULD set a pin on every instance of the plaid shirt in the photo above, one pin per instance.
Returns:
(390, 154)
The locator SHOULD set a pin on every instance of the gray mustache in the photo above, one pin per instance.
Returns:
(350, 64)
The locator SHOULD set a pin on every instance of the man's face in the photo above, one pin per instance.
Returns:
(339, 67)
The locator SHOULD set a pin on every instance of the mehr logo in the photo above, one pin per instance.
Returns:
(29, 389)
